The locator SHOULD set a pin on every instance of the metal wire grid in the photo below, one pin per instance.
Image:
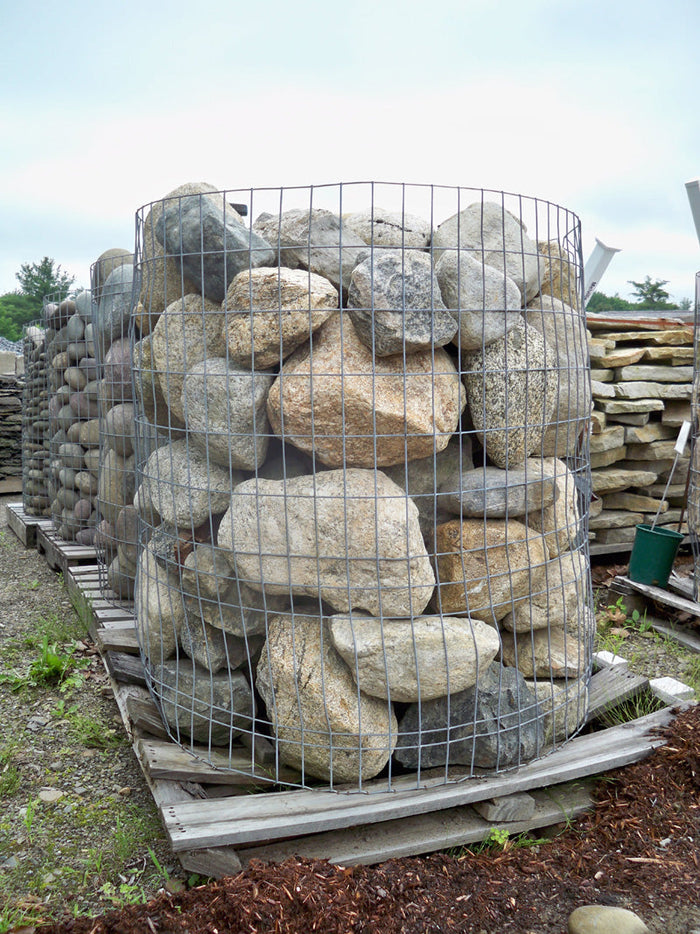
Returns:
(35, 422)
(364, 541)
(73, 424)
(693, 505)
(115, 294)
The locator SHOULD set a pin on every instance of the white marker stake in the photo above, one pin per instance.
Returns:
(597, 263)
(678, 447)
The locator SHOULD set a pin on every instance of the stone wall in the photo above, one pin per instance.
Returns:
(642, 375)
(364, 528)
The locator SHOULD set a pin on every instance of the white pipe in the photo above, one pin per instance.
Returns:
(597, 263)
(693, 189)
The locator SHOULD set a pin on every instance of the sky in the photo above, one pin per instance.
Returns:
(593, 105)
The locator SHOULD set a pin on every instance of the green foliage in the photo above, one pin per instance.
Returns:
(51, 666)
(16, 310)
(651, 293)
(40, 279)
(599, 301)
(9, 776)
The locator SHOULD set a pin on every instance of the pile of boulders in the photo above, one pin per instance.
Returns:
(642, 379)
(366, 523)
(73, 423)
(35, 425)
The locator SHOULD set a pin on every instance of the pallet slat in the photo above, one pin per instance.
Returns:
(267, 817)
(59, 554)
(610, 687)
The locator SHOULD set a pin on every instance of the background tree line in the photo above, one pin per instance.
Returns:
(36, 280)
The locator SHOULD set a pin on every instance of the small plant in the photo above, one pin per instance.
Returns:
(52, 666)
(126, 893)
(9, 776)
(497, 838)
(91, 733)
(28, 817)
(16, 919)
(632, 709)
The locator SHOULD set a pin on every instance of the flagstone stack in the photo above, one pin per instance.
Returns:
(365, 527)
(641, 377)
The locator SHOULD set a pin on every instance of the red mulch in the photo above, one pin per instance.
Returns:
(637, 849)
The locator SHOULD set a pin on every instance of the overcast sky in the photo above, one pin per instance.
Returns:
(591, 105)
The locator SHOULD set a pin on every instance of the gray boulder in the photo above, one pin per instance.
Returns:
(395, 304)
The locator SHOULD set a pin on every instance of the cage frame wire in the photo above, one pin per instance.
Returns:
(575, 478)
(35, 422)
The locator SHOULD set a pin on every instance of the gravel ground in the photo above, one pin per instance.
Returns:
(79, 832)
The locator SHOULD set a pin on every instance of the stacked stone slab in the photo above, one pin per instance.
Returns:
(35, 424)
(642, 376)
(366, 521)
(694, 472)
(114, 293)
(11, 388)
(73, 425)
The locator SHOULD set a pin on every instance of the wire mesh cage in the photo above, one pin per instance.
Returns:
(364, 531)
(693, 504)
(114, 295)
(73, 422)
(35, 422)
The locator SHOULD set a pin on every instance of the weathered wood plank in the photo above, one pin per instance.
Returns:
(61, 555)
(665, 597)
(681, 585)
(426, 833)
(144, 716)
(214, 861)
(266, 817)
(612, 686)
(120, 638)
(168, 760)
(126, 669)
(677, 633)
(23, 525)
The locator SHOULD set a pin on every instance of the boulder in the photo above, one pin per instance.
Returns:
(558, 273)
(560, 521)
(381, 228)
(313, 239)
(395, 305)
(566, 361)
(350, 537)
(275, 311)
(206, 238)
(411, 660)
(202, 706)
(511, 395)
(224, 408)
(495, 237)
(553, 652)
(493, 725)
(485, 568)
(321, 723)
(116, 484)
(347, 407)
(117, 299)
(486, 303)
(187, 332)
(159, 608)
(183, 486)
(212, 648)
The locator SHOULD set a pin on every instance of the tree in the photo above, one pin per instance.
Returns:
(651, 293)
(16, 310)
(599, 301)
(40, 279)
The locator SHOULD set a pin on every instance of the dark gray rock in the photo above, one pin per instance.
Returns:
(495, 724)
(395, 304)
(210, 243)
(116, 303)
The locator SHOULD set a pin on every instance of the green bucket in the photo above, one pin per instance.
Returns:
(653, 554)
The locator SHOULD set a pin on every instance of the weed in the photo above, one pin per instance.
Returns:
(15, 919)
(9, 776)
(156, 862)
(631, 709)
(52, 666)
(28, 817)
(497, 838)
(91, 733)
(126, 893)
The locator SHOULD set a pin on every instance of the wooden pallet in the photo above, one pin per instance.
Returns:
(59, 554)
(23, 525)
(218, 819)
(104, 610)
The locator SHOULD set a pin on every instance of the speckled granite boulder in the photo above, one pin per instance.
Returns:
(321, 723)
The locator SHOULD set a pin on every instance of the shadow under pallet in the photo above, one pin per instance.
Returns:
(218, 820)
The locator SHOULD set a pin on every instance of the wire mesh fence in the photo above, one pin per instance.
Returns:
(363, 527)
(35, 422)
(694, 470)
(73, 422)
(114, 295)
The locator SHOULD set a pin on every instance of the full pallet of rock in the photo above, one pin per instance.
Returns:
(642, 378)
(35, 424)
(363, 527)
